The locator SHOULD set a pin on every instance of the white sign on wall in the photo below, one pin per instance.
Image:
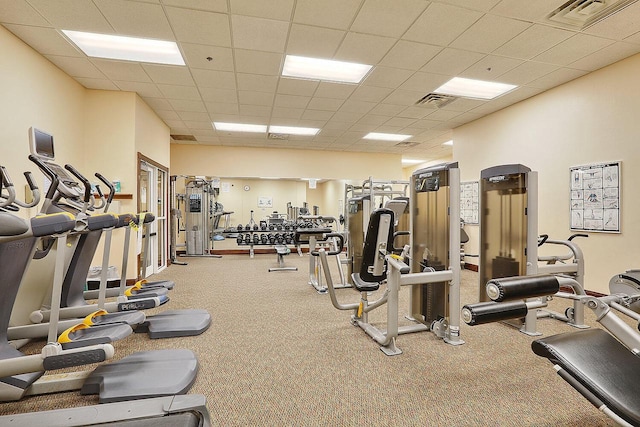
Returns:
(595, 197)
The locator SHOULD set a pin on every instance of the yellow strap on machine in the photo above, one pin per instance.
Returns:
(89, 319)
(136, 287)
(360, 309)
(65, 338)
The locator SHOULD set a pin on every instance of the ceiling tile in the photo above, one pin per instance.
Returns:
(21, 12)
(463, 104)
(198, 125)
(353, 106)
(291, 101)
(256, 82)
(416, 112)
(573, 49)
(222, 108)
(399, 121)
(287, 113)
(255, 110)
(120, 70)
(388, 109)
(158, 104)
(483, 5)
(300, 87)
(253, 62)
(272, 9)
(195, 55)
(259, 34)
(315, 42)
(78, 15)
(200, 27)
(489, 33)
(100, 84)
(561, 75)
(385, 18)
(136, 19)
(424, 82)
(316, 114)
(490, 67)
(215, 79)
(373, 120)
(255, 98)
(177, 124)
(191, 116)
(334, 90)
(410, 55)
(327, 13)
(179, 92)
(186, 105)
(324, 104)
(169, 74)
(609, 55)
(76, 67)
(210, 94)
(370, 93)
(435, 27)
(387, 77)
(149, 90)
(168, 115)
(451, 62)
(527, 72)
(533, 41)
(532, 11)
(404, 97)
(210, 5)
(47, 41)
(364, 48)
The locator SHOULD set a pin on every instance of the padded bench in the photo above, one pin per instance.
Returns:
(599, 367)
(282, 251)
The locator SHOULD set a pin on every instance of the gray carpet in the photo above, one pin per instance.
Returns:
(278, 353)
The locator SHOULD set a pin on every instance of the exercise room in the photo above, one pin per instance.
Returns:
(319, 213)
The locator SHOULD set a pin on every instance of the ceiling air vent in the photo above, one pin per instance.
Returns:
(436, 100)
(278, 136)
(183, 138)
(407, 144)
(579, 14)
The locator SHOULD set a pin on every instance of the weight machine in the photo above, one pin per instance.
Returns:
(201, 213)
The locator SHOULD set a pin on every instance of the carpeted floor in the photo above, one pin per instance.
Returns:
(279, 354)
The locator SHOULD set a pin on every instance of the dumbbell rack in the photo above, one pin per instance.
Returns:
(256, 236)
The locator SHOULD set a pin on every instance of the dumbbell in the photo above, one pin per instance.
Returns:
(255, 239)
(272, 238)
(239, 239)
(247, 227)
(239, 227)
(263, 239)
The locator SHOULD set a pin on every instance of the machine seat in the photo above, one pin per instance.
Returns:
(605, 370)
(363, 286)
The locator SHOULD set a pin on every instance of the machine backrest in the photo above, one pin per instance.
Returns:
(379, 236)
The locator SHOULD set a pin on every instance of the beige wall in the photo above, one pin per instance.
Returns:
(589, 120)
(263, 162)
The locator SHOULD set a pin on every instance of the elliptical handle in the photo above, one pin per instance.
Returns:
(83, 179)
(112, 188)
(52, 176)
(573, 236)
(30, 181)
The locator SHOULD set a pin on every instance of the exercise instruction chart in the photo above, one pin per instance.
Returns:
(595, 197)
(469, 204)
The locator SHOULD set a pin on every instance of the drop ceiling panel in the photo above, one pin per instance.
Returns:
(316, 115)
(255, 98)
(527, 72)
(385, 18)
(404, 97)
(179, 92)
(370, 93)
(190, 116)
(324, 104)
(21, 12)
(533, 11)
(120, 70)
(210, 94)
(259, 34)
(254, 62)
(603, 57)
(187, 105)
(272, 9)
(434, 26)
(334, 90)
(261, 111)
(195, 26)
(353, 106)
(305, 40)
(452, 61)
(482, 5)
(533, 41)
(424, 82)
(387, 77)
(364, 48)
(291, 101)
(158, 104)
(213, 78)
(143, 89)
(572, 49)
(169, 74)
(491, 67)
(101, 84)
(196, 56)
(78, 15)
(561, 75)
(327, 13)
(388, 109)
(619, 25)
(416, 112)
(287, 113)
(489, 33)
(136, 19)
(47, 41)
(410, 55)
(209, 5)
(256, 82)
(222, 108)
(300, 87)
(76, 67)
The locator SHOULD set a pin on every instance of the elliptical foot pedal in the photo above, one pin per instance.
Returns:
(143, 375)
(176, 323)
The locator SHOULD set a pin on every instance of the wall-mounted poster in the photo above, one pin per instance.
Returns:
(265, 202)
(469, 202)
(595, 197)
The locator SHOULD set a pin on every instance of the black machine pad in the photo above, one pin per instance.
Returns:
(599, 363)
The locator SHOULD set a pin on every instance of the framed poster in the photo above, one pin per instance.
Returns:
(469, 202)
(595, 197)
(265, 202)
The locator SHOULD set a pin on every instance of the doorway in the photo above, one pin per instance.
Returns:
(153, 198)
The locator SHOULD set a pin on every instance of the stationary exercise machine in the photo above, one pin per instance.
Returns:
(200, 216)
(434, 271)
(509, 241)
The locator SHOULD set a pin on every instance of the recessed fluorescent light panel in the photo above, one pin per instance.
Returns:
(469, 88)
(292, 130)
(126, 48)
(386, 136)
(240, 127)
(324, 69)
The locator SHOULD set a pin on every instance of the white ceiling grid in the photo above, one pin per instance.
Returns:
(234, 50)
